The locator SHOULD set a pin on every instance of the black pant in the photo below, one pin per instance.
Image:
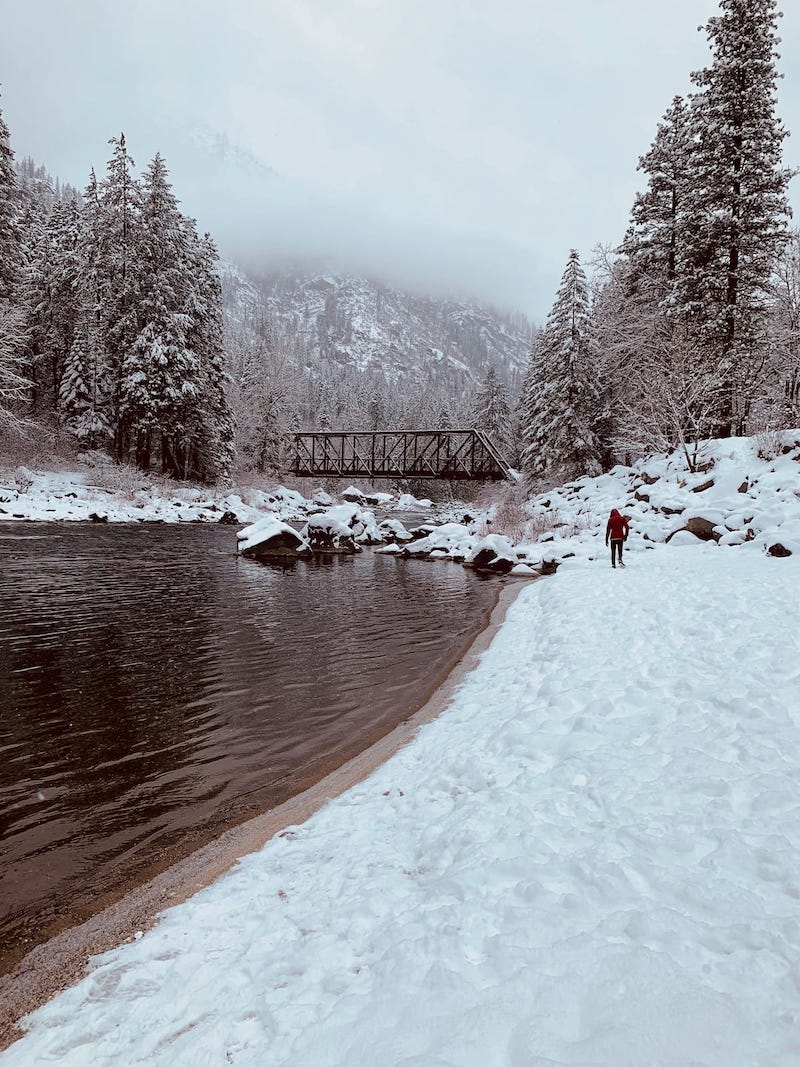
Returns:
(616, 543)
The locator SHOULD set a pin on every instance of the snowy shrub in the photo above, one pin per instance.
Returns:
(121, 478)
(23, 479)
(769, 444)
(543, 522)
(511, 518)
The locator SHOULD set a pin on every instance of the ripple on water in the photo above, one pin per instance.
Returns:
(155, 689)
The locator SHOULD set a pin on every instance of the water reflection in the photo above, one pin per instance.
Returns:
(155, 689)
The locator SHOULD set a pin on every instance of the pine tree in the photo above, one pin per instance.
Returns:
(209, 453)
(120, 266)
(491, 411)
(36, 295)
(652, 244)
(85, 389)
(9, 209)
(563, 405)
(14, 386)
(736, 212)
(159, 373)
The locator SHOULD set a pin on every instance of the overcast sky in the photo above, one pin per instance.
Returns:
(444, 143)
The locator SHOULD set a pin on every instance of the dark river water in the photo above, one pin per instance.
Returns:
(155, 690)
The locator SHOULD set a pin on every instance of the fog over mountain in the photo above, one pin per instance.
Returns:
(452, 147)
(266, 220)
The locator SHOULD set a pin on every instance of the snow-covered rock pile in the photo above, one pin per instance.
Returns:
(271, 537)
(735, 497)
(342, 528)
(125, 495)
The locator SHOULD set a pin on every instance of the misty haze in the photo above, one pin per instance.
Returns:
(399, 533)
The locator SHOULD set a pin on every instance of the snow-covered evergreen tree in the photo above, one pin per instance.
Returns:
(159, 373)
(14, 386)
(9, 211)
(563, 406)
(208, 451)
(120, 265)
(86, 388)
(652, 244)
(736, 212)
(491, 411)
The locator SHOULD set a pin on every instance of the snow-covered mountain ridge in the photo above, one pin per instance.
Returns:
(367, 325)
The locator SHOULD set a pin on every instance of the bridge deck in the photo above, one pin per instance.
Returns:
(446, 454)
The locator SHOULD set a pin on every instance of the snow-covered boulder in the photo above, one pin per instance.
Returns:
(323, 499)
(353, 494)
(524, 570)
(290, 498)
(451, 540)
(704, 529)
(494, 553)
(392, 530)
(407, 502)
(367, 530)
(327, 533)
(271, 537)
(379, 500)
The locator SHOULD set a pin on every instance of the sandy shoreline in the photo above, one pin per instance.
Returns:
(60, 962)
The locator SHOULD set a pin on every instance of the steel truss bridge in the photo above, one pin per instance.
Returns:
(450, 454)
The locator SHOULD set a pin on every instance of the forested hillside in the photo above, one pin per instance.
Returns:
(331, 351)
(111, 317)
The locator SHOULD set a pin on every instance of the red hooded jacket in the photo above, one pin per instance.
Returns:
(617, 527)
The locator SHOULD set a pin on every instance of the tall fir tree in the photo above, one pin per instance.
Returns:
(491, 411)
(736, 212)
(121, 266)
(209, 453)
(10, 253)
(159, 372)
(652, 244)
(563, 409)
(85, 389)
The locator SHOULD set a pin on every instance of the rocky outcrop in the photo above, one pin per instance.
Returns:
(779, 550)
(702, 529)
(269, 538)
(493, 553)
(326, 533)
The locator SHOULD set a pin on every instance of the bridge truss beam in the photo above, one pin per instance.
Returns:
(447, 454)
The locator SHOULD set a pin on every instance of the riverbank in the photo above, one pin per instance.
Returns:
(590, 857)
(107, 492)
(58, 963)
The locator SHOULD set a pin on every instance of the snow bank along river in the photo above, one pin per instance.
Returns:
(591, 858)
(155, 690)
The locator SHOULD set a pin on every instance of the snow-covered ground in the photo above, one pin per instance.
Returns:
(77, 495)
(593, 857)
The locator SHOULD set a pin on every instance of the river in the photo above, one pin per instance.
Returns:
(156, 690)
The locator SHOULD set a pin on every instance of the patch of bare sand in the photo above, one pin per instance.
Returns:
(63, 960)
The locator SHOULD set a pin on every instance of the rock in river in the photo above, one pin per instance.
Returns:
(269, 537)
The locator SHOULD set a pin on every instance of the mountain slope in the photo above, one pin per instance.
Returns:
(339, 319)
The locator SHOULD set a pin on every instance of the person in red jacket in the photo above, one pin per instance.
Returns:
(617, 533)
